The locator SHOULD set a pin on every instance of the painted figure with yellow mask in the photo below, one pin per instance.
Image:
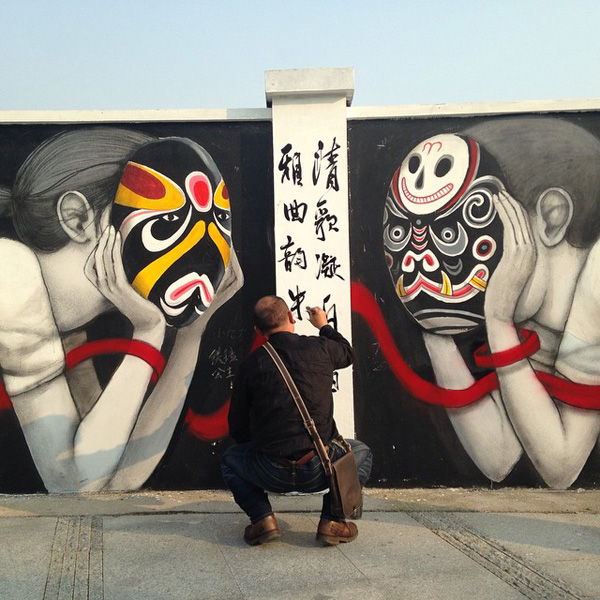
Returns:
(172, 211)
(109, 220)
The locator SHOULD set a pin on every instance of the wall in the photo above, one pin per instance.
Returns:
(427, 234)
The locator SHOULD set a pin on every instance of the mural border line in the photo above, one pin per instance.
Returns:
(470, 109)
(81, 117)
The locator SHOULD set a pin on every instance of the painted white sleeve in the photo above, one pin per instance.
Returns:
(31, 351)
(579, 353)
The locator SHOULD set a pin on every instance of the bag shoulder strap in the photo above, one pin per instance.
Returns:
(307, 420)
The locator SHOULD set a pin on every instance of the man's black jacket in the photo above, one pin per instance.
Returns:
(262, 409)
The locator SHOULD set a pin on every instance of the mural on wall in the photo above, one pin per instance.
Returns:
(117, 252)
(489, 234)
(131, 257)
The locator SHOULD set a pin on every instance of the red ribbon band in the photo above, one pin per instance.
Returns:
(143, 350)
(530, 344)
(365, 305)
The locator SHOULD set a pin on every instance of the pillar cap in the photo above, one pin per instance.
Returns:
(310, 82)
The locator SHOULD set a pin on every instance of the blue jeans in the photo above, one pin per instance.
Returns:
(249, 474)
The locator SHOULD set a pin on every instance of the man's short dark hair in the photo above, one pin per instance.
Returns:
(270, 312)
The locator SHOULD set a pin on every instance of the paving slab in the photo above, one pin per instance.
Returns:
(165, 556)
(25, 550)
(566, 545)
(293, 566)
(403, 559)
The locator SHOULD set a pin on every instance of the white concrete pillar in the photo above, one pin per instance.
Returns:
(310, 171)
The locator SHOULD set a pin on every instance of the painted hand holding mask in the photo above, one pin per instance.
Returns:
(172, 209)
(442, 233)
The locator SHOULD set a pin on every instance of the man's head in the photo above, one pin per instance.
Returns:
(551, 167)
(271, 314)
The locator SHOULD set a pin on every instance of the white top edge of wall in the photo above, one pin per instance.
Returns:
(471, 109)
(265, 114)
(134, 116)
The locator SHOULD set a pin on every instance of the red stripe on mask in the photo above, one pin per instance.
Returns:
(142, 183)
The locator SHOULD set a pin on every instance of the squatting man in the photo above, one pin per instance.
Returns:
(273, 450)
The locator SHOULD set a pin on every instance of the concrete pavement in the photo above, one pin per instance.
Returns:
(426, 544)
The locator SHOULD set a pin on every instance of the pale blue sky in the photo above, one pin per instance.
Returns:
(120, 54)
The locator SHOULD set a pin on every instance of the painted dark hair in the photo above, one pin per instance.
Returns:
(89, 161)
(537, 153)
(4, 201)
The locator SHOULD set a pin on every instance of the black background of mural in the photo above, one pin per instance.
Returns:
(413, 443)
(243, 153)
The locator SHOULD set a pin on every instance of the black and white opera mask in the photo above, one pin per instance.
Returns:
(442, 234)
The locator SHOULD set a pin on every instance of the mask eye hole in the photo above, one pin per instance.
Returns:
(397, 233)
(396, 237)
(414, 162)
(448, 235)
(223, 220)
(450, 240)
(443, 166)
(157, 236)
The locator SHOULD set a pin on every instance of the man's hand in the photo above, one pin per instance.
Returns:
(517, 263)
(317, 316)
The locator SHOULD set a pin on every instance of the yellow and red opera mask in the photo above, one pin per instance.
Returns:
(172, 209)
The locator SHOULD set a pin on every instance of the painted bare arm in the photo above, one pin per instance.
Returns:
(103, 433)
(557, 438)
(159, 415)
(82, 377)
(78, 455)
(483, 426)
(74, 453)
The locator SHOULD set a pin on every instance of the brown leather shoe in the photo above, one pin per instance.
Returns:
(263, 531)
(332, 533)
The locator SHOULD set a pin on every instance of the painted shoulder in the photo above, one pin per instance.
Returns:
(20, 267)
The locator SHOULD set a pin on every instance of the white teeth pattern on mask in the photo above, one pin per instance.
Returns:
(419, 247)
(472, 285)
(426, 199)
(176, 297)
